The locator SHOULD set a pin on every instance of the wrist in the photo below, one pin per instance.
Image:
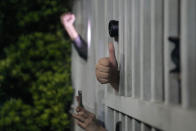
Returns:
(95, 127)
(73, 34)
(68, 26)
(101, 129)
(115, 80)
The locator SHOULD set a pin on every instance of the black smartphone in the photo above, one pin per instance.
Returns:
(80, 98)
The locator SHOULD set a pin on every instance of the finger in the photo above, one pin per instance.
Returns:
(81, 124)
(83, 114)
(78, 117)
(65, 16)
(62, 17)
(112, 57)
(68, 18)
(104, 61)
(102, 68)
(102, 75)
(78, 109)
(73, 17)
(103, 81)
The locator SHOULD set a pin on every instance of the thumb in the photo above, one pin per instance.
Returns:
(112, 56)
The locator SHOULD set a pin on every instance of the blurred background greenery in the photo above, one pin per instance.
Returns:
(35, 82)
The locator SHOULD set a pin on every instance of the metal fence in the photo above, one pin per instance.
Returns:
(156, 54)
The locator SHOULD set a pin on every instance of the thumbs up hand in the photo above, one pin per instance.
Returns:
(107, 69)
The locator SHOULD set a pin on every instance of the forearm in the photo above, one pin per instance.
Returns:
(101, 129)
(81, 47)
(73, 34)
(96, 128)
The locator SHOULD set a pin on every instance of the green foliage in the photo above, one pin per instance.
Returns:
(37, 74)
(22, 16)
(35, 82)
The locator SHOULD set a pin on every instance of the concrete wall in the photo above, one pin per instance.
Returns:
(153, 96)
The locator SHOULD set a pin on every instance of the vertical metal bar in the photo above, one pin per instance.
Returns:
(121, 63)
(128, 47)
(100, 25)
(128, 124)
(142, 127)
(133, 125)
(166, 51)
(116, 118)
(157, 50)
(172, 84)
(142, 49)
(116, 17)
(125, 46)
(76, 70)
(109, 16)
(120, 122)
(123, 119)
(132, 49)
(145, 127)
(100, 52)
(152, 54)
(91, 92)
(116, 9)
(136, 48)
(137, 125)
(145, 41)
(188, 49)
(109, 119)
(106, 115)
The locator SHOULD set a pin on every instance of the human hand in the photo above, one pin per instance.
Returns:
(86, 119)
(68, 19)
(107, 69)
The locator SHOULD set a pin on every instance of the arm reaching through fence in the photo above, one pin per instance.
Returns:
(67, 21)
(86, 119)
(107, 69)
